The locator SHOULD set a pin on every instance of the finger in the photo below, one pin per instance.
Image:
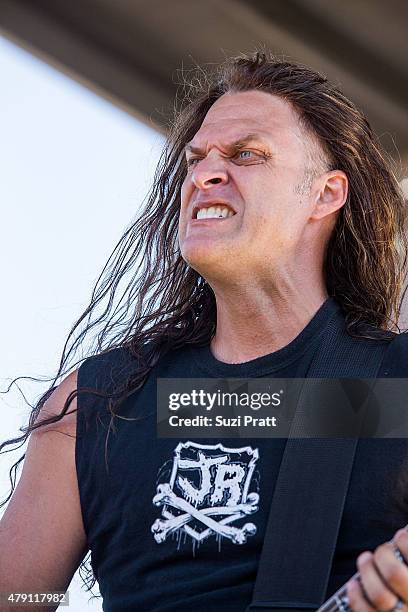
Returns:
(355, 595)
(375, 590)
(393, 573)
(401, 542)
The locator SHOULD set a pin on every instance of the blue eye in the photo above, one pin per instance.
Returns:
(245, 154)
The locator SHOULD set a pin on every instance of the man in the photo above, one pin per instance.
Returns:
(273, 212)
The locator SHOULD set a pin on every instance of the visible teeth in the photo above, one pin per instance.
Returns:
(214, 212)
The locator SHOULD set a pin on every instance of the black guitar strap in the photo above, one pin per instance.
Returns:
(311, 488)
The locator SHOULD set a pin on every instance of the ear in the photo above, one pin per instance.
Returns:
(330, 193)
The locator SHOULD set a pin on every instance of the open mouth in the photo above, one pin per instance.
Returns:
(213, 212)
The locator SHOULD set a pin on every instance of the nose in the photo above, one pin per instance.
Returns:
(208, 173)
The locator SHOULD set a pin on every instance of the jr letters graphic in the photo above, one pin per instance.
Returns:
(209, 489)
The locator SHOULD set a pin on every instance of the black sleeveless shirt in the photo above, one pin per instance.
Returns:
(144, 556)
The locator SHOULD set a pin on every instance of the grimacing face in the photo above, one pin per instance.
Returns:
(249, 157)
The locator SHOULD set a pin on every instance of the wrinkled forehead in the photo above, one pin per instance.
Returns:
(250, 112)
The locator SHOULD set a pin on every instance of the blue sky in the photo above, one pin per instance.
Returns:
(74, 171)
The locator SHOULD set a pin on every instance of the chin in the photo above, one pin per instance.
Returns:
(199, 249)
(210, 265)
(199, 259)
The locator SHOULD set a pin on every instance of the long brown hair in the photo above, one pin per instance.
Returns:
(148, 297)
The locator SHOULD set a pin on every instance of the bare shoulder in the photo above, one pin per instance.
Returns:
(55, 404)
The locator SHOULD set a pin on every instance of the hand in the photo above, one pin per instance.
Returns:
(383, 579)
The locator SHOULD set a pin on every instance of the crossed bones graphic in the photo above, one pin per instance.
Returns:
(166, 496)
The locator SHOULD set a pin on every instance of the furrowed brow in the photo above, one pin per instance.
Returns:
(231, 148)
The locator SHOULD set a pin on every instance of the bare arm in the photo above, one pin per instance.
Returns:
(42, 537)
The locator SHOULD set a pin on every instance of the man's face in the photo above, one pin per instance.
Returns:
(250, 155)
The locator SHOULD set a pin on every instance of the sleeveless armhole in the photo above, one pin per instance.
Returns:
(82, 424)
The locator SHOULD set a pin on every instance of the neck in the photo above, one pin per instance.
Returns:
(257, 319)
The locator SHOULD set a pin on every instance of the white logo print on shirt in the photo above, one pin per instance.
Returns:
(208, 490)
